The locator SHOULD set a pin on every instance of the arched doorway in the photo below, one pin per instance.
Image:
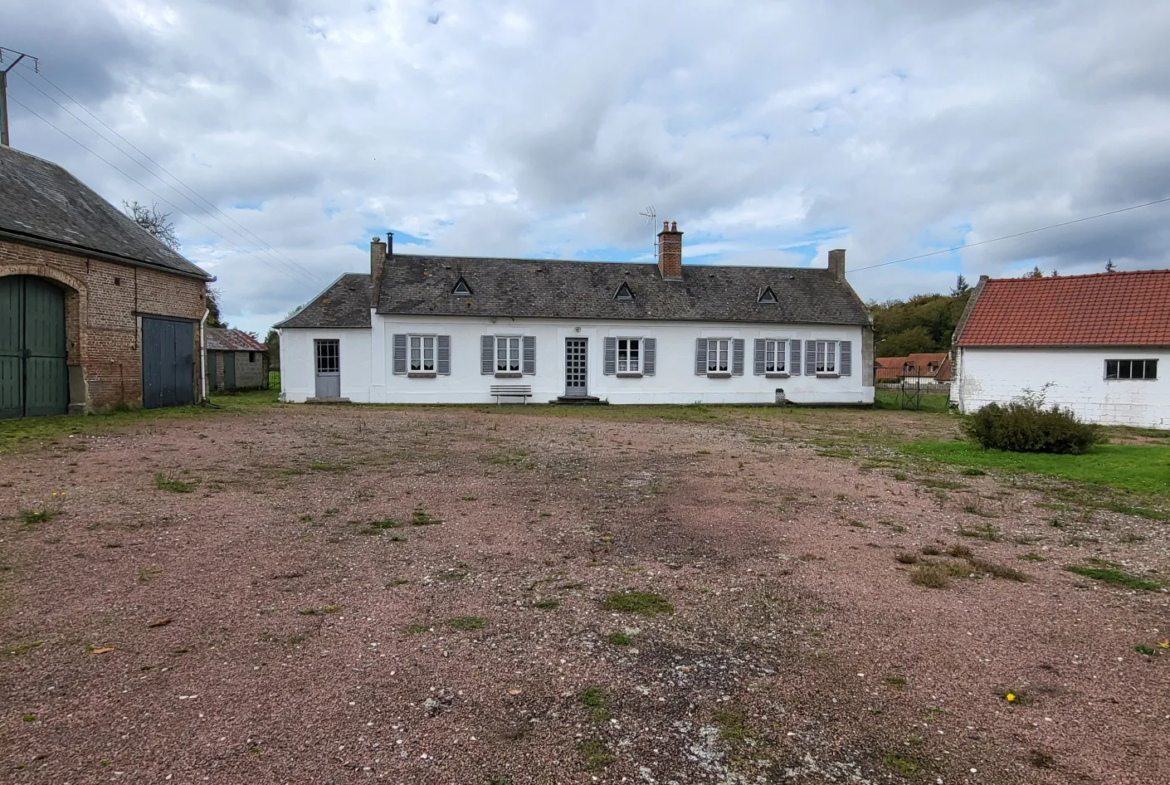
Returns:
(34, 381)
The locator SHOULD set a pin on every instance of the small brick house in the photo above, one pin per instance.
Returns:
(95, 312)
(234, 360)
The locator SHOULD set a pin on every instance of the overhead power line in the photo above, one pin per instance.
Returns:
(240, 231)
(1017, 234)
(152, 193)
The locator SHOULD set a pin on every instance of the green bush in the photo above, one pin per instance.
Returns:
(1026, 425)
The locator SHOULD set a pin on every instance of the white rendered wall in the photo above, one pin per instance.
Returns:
(298, 377)
(675, 380)
(984, 376)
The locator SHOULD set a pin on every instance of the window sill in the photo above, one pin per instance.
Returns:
(718, 374)
(1131, 380)
(629, 374)
(508, 374)
(828, 376)
(777, 375)
(421, 375)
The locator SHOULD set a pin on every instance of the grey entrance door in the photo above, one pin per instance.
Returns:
(168, 363)
(328, 354)
(576, 367)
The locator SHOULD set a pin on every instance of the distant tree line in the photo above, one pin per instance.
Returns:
(924, 323)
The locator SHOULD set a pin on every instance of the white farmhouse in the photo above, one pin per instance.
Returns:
(443, 329)
(1090, 343)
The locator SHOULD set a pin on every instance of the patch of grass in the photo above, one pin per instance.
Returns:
(418, 629)
(467, 623)
(1115, 577)
(984, 532)
(837, 452)
(929, 403)
(946, 485)
(547, 604)
(146, 573)
(33, 517)
(421, 518)
(959, 551)
(516, 458)
(173, 484)
(971, 471)
(619, 639)
(1129, 467)
(896, 680)
(1030, 556)
(597, 701)
(16, 649)
(1142, 512)
(900, 476)
(637, 602)
(902, 765)
(377, 527)
(28, 718)
(932, 576)
(997, 570)
(322, 611)
(467, 498)
(329, 467)
(595, 756)
(1145, 650)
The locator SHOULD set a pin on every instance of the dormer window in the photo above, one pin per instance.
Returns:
(461, 288)
(766, 295)
(624, 293)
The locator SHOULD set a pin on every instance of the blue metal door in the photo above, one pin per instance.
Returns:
(168, 363)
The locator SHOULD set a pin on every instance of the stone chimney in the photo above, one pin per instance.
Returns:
(670, 251)
(377, 256)
(837, 264)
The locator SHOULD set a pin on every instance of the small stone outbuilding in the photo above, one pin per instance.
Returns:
(95, 312)
(234, 360)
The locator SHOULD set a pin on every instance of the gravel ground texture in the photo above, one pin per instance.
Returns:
(333, 595)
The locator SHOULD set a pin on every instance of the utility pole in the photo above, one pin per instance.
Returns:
(4, 88)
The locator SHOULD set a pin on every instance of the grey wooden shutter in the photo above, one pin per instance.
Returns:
(846, 367)
(649, 355)
(443, 355)
(399, 354)
(701, 356)
(487, 354)
(793, 364)
(529, 344)
(737, 357)
(759, 358)
(609, 367)
(810, 358)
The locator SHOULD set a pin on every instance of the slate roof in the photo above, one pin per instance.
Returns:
(41, 201)
(225, 339)
(1107, 309)
(344, 303)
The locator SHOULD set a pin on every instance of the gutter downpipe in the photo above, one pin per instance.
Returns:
(203, 355)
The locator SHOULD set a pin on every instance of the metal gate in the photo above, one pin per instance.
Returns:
(328, 353)
(34, 380)
(168, 363)
(576, 367)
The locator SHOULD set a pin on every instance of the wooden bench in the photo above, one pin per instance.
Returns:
(511, 391)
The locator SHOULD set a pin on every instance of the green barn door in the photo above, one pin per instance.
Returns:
(46, 381)
(229, 370)
(11, 347)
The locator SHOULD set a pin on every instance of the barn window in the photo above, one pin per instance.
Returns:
(1131, 369)
(251, 357)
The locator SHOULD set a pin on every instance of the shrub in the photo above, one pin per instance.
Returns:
(1027, 425)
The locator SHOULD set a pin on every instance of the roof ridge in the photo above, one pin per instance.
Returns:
(390, 259)
(1114, 274)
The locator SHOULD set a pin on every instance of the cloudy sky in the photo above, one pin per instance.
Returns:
(771, 131)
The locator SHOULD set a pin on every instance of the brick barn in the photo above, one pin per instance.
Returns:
(94, 311)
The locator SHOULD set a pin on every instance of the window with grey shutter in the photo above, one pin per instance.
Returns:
(487, 355)
(794, 358)
(649, 351)
(810, 358)
(399, 354)
(846, 358)
(443, 344)
(758, 360)
(529, 354)
(701, 356)
(737, 357)
(609, 367)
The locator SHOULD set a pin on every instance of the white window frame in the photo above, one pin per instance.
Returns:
(633, 365)
(416, 347)
(719, 349)
(828, 358)
(507, 343)
(779, 348)
(1145, 361)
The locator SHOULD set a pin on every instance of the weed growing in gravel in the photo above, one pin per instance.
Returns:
(329, 467)
(467, 498)
(173, 484)
(1112, 575)
(971, 471)
(420, 518)
(467, 623)
(997, 570)
(637, 602)
(418, 629)
(29, 718)
(595, 698)
(733, 726)
(323, 610)
(947, 485)
(1041, 759)
(896, 680)
(984, 532)
(547, 604)
(1145, 650)
(932, 576)
(902, 765)
(959, 551)
(146, 573)
(907, 558)
(595, 755)
(1030, 556)
(47, 513)
(377, 527)
(17, 649)
(619, 639)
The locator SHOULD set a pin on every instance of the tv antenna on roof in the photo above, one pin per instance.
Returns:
(650, 214)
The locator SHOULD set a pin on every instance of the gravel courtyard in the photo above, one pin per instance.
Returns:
(300, 594)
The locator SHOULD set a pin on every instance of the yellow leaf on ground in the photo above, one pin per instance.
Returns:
(102, 650)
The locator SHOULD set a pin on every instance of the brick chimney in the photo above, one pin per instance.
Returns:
(837, 264)
(670, 251)
(377, 256)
